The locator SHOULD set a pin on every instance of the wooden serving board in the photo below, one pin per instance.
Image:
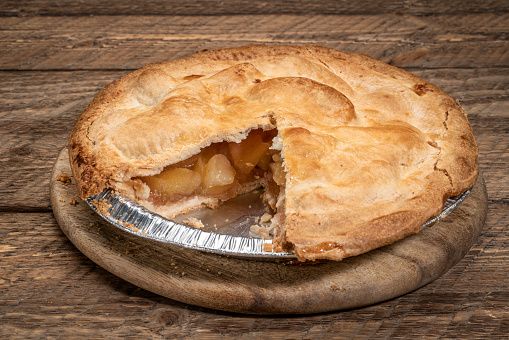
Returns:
(256, 287)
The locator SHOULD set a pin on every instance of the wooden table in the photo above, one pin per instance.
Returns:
(55, 56)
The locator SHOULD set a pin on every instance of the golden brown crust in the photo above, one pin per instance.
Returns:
(371, 151)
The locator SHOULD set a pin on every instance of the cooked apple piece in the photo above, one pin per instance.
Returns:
(246, 154)
(278, 172)
(174, 182)
(201, 159)
(199, 165)
(207, 152)
(218, 172)
(265, 160)
(267, 136)
(224, 192)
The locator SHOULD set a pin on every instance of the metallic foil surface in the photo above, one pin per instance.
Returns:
(226, 230)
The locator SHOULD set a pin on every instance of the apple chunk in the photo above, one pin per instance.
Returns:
(174, 182)
(246, 154)
(218, 172)
(278, 172)
(219, 178)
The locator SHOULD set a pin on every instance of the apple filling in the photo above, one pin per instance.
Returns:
(222, 171)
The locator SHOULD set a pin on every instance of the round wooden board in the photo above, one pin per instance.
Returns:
(256, 287)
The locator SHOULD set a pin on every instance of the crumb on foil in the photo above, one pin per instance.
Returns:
(260, 231)
(265, 218)
(102, 206)
(194, 222)
(129, 225)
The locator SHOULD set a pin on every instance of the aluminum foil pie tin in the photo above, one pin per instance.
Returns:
(226, 230)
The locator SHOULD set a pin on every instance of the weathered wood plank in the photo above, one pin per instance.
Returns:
(49, 289)
(122, 42)
(38, 112)
(197, 7)
(40, 108)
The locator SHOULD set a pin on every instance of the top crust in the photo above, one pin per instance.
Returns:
(371, 151)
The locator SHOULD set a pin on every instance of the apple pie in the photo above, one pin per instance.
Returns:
(352, 153)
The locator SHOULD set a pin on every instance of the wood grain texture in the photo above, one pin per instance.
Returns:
(48, 289)
(197, 7)
(267, 287)
(121, 42)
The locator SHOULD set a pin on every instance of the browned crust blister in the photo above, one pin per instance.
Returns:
(371, 151)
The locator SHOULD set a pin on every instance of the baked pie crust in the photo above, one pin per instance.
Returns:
(363, 153)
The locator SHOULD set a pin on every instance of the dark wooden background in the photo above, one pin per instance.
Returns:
(56, 55)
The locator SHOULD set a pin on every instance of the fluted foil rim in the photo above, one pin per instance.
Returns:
(135, 219)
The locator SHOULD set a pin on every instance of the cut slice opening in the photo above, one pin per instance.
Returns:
(222, 171)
